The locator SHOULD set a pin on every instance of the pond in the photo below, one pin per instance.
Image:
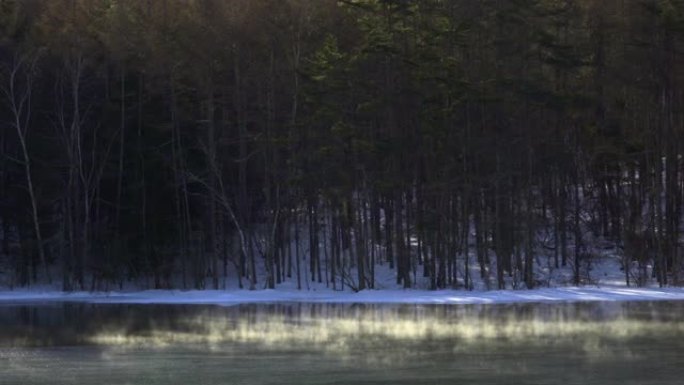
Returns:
(295, 343)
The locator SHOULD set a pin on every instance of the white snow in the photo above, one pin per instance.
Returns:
(603, 280)
(234, 297)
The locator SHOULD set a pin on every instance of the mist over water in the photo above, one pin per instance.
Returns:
(605, 343)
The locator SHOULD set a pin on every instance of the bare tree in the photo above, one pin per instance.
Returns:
(17, 92)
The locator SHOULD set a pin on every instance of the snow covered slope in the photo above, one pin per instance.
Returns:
(233, 297)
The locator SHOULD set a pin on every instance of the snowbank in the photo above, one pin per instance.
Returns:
(234, 297)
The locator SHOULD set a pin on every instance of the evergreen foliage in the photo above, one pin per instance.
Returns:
(169, 142)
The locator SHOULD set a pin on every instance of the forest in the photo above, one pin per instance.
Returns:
(172, 144)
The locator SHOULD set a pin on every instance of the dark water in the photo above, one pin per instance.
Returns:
(592, 343)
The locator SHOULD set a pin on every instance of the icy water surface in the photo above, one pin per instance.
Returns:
(579, 343)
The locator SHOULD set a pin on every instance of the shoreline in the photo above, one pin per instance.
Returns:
(409, 296)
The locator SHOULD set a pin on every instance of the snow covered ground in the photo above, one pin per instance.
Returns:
(234, 297)
(607, 284)
(604, 281)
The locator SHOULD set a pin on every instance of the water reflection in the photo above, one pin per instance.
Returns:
(418, 342)
(334, 327)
